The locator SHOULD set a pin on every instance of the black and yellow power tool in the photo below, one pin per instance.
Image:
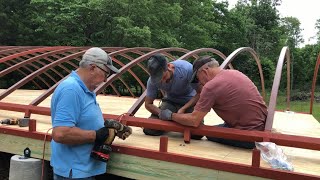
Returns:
(101, 152)
(22, 122)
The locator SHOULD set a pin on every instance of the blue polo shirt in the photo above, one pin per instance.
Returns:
(179, 90)
(73, 105)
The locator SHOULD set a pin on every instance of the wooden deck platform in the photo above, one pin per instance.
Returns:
(305, 161)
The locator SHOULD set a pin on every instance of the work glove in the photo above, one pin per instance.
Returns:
(122, 131)
(125, 133)
(165, 115)
(104, 135)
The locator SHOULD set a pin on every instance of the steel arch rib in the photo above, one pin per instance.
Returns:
(197, 51)
(139, 64)
(41, 79)
(129, 70)
(35, 73)
(138, 103)
(34, 82)
(132, 63)
(285, 54)
(128, 88)
(29, 52)
(23, 63)
(16, 49)
(314, 81)
(234, 54)
(36, 67)
(42, 56)
(120, 53)
(115, 90)
(43, 96)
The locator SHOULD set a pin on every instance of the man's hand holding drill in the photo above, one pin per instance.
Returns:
(105, 135)
(122, 131)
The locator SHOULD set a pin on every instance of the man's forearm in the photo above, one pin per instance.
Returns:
(192, 102)
(73, 135)
(185, 119)
(153, 109)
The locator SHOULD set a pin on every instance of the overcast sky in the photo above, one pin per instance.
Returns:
(307, 11)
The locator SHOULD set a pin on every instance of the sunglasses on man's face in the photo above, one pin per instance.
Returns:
(107, 73)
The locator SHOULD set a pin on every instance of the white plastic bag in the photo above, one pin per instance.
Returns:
(274, 155)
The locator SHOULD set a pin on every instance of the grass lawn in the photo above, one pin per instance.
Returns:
(297, 106)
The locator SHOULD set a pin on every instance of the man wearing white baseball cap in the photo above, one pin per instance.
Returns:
(77, 121)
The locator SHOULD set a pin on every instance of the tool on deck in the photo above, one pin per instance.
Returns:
(101, 152)
(22, 122)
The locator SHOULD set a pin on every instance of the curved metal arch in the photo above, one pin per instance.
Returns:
(7, 47)
(132, 63)
(197, 51)
(47, 93)
(37, 72)
(132, 50)
(36, 58)
(139, 101)
(126, 50)
(14, 50)
(41, 79)
(285, 54)
(52, 69)
(23, 73)
(44, 95)
(115, 89)
(128, 88)
(234, 54)
(37, 67)
(131, 72)
(13, 56)
(139, 64)
(314, 80)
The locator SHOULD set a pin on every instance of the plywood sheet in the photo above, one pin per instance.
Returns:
(306, 161)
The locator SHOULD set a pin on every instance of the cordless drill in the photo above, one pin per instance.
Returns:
(102, 152)
(22, 122)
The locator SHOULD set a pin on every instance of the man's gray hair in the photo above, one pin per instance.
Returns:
(97, 55)
(84, 64)
(213, 63)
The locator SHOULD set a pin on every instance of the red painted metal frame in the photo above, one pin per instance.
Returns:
(285, 54)
(254, 169)
(193, 53)
(238, 51)
(314, 81)
(163, 154)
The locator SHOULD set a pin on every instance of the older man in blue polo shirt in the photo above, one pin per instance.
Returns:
(174, 80)
(77, 121)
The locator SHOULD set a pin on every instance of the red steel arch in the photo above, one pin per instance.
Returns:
(314, 81)
(284, 55)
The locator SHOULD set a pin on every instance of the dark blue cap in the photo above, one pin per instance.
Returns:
(157, 65)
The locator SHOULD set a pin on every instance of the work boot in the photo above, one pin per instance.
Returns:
(152, 132)
(196, 137)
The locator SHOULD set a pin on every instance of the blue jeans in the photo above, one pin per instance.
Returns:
(235, 143)
(58, 177)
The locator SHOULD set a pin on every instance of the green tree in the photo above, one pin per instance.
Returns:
(292, 30)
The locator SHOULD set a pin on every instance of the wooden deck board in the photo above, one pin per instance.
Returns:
(306, 161)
